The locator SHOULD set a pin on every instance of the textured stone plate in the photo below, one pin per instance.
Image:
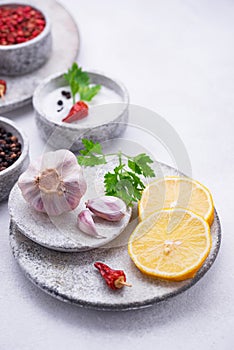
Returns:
(61, 233)
(71, 277)
(64, 52)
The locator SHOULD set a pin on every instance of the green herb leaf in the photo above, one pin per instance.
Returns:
(124, 181)
(87, 93)
(70, 76)
(82, 77)
(133, 165)
(79, 81)
(125, 191)
(110, 181)
(92, 154)
(123, 184)
(91, 146)
(142, 160)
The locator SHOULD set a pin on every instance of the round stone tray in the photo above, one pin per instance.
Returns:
(61, 232)
(71, 277)
(64, 52)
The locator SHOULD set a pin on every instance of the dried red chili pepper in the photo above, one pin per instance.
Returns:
(115, 279)
(77, 112)
(3, 88)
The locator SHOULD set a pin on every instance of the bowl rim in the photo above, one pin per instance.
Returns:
(40, 36)
(25, 145)
(48, 80)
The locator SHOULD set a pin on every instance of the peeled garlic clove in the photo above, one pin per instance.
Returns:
(86, 224)
(54, 184)
(107, 207)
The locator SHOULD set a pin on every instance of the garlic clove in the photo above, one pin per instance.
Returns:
(55, 184)
(31, 193)
(109, 208)
(86, 224)
(55, 205)
(61, 159)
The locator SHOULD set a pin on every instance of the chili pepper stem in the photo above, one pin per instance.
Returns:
(120, 282)
(115, 279)
(126, 284)
(2, 93)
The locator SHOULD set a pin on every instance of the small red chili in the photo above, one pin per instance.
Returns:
(115, 279)
(77, 112)
(3, 88)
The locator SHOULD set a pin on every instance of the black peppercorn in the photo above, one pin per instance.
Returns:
(10, 149)
(66, 94)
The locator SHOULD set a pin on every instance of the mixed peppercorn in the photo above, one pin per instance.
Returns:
(19, 23)
(10, 149)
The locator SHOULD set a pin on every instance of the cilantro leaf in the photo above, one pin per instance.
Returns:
(133, 166)
(91, 154)
(81, 77)
(125, 191)
(125, 180)
(123, 184)
(87, 93)
(142, 162)
(91, 146)
(136, 180)
(110, 181)
(91, 160)
(79, 81)
(70, 76)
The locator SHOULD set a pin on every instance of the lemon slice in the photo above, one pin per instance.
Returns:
(171, 244)
(175, 191)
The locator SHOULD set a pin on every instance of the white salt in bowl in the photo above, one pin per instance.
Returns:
(107, 119)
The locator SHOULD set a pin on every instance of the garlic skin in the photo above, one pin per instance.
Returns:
(109, 208)
(54, 184)
(86, 224)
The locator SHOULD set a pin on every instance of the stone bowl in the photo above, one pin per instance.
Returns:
(9, 176)
(59, 135)
(26, 57)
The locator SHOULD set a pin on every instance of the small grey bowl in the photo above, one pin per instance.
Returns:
(64, 135)
(26, 57)
(9, 176)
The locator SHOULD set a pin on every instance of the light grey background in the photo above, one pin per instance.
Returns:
(177, 58)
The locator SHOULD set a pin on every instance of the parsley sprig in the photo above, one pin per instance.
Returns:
(92, 154)
(79, 82)
(124, 181)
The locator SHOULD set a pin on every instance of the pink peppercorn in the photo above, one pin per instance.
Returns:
(19, 23)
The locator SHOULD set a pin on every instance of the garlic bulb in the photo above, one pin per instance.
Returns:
(109, 208)
(54, 184)
(86, 224)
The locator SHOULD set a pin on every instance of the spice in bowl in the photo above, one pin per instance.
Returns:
(10, 149)
(20, 23)
(3, 88)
